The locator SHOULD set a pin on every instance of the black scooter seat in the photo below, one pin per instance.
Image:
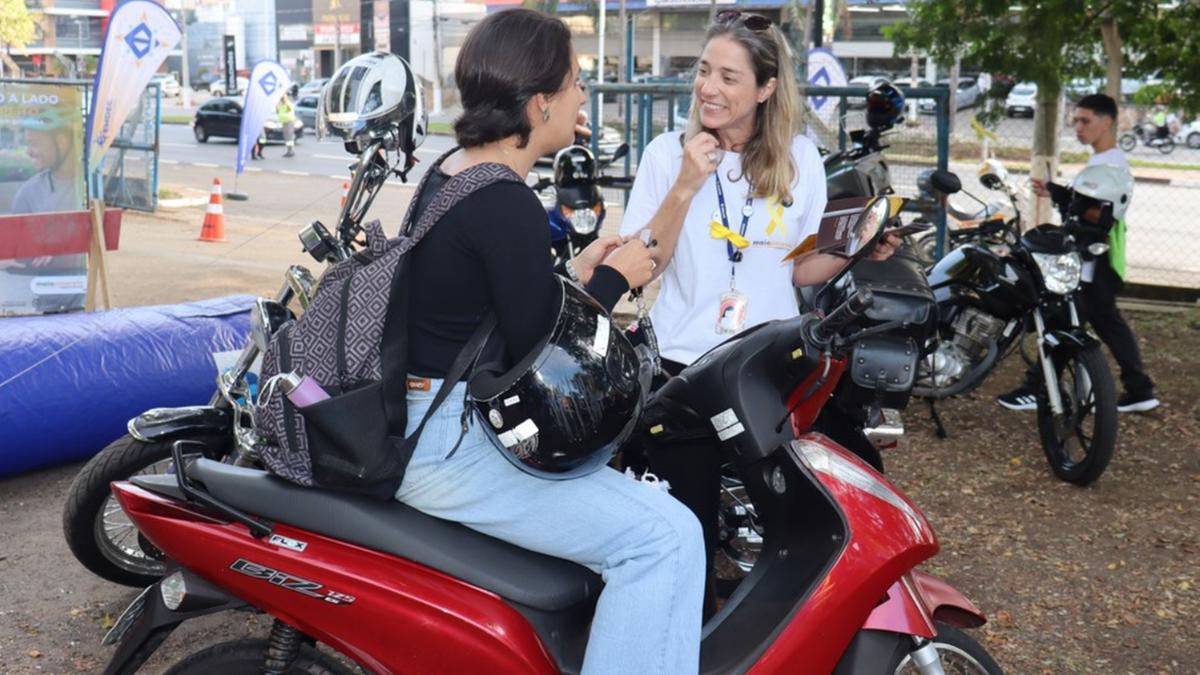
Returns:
(521, 576)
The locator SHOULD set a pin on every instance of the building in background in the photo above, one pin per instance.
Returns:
(67, 38)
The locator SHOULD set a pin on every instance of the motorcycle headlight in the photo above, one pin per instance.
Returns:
(583, 221)
(1061, 271)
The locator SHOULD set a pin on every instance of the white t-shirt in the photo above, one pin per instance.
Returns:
(1110, 157)
(686, 311)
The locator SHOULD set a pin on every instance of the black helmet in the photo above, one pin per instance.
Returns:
(574, 164)
(374, 95)
(885, 106)
(567, 407)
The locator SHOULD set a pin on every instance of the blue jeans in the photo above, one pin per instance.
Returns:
(645, 544)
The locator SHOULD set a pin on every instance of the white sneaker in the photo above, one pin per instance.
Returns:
(1128, 403)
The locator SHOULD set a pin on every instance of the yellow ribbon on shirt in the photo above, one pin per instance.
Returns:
(775, 211)
(719, 231)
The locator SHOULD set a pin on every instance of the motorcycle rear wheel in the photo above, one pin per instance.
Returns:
(1088, 392)
(1167, 146)
(245, 657)
(958, 652)
(1127, 142)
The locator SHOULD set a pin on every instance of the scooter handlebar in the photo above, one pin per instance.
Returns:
(854, 308)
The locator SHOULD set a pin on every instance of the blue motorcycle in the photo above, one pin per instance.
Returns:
(576, 210)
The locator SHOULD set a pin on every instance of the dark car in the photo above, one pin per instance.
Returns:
(222, 118)
(306, 110)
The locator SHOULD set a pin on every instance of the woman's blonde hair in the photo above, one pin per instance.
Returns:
(767, 157)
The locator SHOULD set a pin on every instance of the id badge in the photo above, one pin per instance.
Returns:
(731, 312)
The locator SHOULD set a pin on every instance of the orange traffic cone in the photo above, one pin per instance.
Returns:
(345, 193)
(214, 216)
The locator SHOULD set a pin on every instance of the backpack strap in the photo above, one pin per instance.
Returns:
(460, 186)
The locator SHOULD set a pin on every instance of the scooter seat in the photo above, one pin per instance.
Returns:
(521, 576)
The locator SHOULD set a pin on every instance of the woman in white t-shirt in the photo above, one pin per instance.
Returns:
(725, 202)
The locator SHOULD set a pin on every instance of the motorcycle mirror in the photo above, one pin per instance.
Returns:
(993, 175)
(869, 225)
(619, 153)
(302, 283)
(1098, 249)
(945, 182)
(266, 318)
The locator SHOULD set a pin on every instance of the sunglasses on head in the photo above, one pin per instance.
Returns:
(754, 22)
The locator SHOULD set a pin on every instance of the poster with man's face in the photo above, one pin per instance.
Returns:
(41, 171)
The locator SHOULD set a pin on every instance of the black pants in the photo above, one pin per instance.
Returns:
(1098, 306)
(693, 468)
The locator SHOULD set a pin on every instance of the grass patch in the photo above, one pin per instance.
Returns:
(441, 128)
(1150, 164)
(168, 193)
(177, 119)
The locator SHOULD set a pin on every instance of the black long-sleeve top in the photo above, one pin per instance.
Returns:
(491, 251)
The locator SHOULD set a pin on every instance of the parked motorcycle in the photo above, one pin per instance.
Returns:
(97, 530)
(575, 206)
(994, 292)
(1147, 134)
(399, 591)
(962, 225)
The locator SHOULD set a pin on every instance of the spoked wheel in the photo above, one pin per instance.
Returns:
(740, 536)
(97, 529)
(1079, 443)
(959, 653)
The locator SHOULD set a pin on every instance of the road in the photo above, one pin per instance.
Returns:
(1162, 246)
(313, 157)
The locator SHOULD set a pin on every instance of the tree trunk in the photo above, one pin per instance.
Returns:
(1113, 57)
(1044, 162)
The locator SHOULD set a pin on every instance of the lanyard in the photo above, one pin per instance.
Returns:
(735, 256)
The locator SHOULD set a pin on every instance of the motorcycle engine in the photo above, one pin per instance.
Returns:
(973, 331)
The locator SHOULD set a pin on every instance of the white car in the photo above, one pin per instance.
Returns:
(1190, 134)
(167, 84)
(217, 88)
(1022, 100)
(967, 95)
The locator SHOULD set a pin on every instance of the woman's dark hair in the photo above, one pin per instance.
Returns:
(507, 59)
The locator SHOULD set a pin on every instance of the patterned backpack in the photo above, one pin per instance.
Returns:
(355, 439)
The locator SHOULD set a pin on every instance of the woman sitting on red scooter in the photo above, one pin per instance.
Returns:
(521, 95)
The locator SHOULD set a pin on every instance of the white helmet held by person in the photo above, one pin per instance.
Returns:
(1106, 183)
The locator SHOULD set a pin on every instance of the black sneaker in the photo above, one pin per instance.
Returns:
(1130, 403)
(1021, 398)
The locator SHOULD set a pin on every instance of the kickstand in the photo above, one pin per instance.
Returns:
(939, 428)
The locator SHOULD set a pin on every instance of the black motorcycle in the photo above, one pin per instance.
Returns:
(576, 208)
(991, 294)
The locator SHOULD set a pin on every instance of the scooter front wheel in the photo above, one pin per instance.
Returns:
(1127, 142)
(958, 652)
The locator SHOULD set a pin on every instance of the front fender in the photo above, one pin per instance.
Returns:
(158, 424)
(917, 600)
(1070, 341)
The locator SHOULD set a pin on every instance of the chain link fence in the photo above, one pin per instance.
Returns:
(1162, 249)
(1161, 246)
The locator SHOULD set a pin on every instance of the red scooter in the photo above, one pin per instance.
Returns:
(396, 591)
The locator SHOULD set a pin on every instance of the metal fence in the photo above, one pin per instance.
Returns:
(1162, 248)
(644, 110)
(130, 167)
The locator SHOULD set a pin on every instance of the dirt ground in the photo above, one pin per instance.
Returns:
(1095, 580)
